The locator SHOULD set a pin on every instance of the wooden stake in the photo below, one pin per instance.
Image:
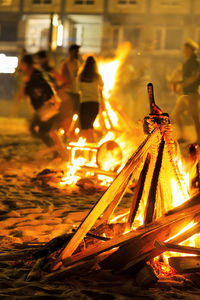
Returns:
(121, 191)
(138, 192)
(152, 192)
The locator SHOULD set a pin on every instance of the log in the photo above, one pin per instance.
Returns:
(121, 191)
(149, 212)
(138, 192)
(177, 248)
(185, 264)
(108, 196)
(138, 244)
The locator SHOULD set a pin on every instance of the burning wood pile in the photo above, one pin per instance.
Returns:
(164, 212)
(93, 166)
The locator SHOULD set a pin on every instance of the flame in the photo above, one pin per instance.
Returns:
(108, 119)
(180, 196)
(109, 69)
(70, 178)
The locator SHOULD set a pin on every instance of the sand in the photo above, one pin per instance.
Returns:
(32, 214)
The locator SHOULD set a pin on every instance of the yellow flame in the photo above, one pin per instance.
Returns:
(179, 196)
(109, 68)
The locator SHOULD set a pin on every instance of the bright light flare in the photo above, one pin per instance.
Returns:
(8, 64)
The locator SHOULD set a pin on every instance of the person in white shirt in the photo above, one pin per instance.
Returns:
(90, 85)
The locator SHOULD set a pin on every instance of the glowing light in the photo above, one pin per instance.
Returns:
(8, 64)
(75, 117)
(55, 20)
(61, 131)
(60, 35)
(77, 130)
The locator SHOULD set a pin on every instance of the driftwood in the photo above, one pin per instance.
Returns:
(177, 248)
(108, 196)
(185, 264)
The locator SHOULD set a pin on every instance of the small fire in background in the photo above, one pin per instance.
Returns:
(111, 151)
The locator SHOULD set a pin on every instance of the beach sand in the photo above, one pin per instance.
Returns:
(33, 214)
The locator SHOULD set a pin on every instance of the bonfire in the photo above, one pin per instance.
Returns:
(163, 213)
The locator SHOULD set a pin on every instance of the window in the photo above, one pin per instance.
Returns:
(84, 2)
(173, 39)
(127, 2)
(5, 2)
(42, 2)
(170, 3)
(168, 38)
(132, 35)
(8, 31)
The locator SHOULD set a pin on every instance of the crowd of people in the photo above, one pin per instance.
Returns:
(55, 96)
(77, 88)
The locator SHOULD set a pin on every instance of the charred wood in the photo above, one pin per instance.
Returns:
(185, 264)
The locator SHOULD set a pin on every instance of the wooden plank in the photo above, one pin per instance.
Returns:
(121, 191)
(138, 191)
(185, 264)
(108, 196)
(176, 248)
(149, 211)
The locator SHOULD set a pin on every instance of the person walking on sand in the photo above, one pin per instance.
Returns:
(188, 101)
(90, 86)
(46, 105)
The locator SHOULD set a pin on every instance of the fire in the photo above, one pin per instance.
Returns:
(109, 68)
(179, 196)
(116, 130)
(110, 121)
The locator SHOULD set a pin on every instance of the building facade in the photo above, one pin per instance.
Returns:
(159, 26)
